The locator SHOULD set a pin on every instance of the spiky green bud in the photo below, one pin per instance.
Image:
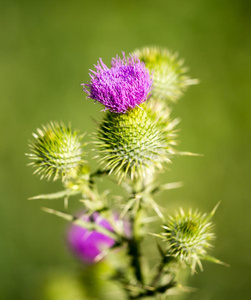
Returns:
(137, 142)
(56, 151)
(169, 79)
(189, 236)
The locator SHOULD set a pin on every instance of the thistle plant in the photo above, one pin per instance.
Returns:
(134, 140)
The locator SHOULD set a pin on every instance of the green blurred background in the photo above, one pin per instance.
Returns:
(46, 50)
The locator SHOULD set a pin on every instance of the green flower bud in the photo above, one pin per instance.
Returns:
(137, 142)
(56, 151)
(189, 235)
(169, 79)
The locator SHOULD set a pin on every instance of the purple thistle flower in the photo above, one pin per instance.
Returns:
(89, 245)
(125, 85)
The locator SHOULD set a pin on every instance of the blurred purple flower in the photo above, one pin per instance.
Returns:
(125, 85)
(88, 245)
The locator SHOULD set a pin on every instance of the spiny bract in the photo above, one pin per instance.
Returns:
(188, 235)
(136, 142)
(169, 79)
(56, 151)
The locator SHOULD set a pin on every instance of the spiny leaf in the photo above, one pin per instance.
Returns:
(58, 195)
(81, 223)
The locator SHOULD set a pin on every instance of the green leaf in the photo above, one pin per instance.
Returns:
(215, 260)
(82, 223)
(57, 195)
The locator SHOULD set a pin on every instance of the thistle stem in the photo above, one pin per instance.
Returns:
(99, 173)
(134, 243)
(134, 252)
(161, 269)
(158, 290)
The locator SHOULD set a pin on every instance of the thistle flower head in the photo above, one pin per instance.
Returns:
(169, 79)
(189, 235)
(89, 246)
(56, 151)
(137, 142)
(122, 87)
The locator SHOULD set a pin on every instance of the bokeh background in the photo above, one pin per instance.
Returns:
(46, 50)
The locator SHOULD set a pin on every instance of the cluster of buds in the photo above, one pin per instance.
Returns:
(135, 138)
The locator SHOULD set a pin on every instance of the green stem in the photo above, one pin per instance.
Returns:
(159, 290)
(134, 252)
(134, 243)
(161, 269)
(99, 173)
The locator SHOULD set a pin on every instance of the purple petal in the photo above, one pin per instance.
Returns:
(88, 245)
(125, 85)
